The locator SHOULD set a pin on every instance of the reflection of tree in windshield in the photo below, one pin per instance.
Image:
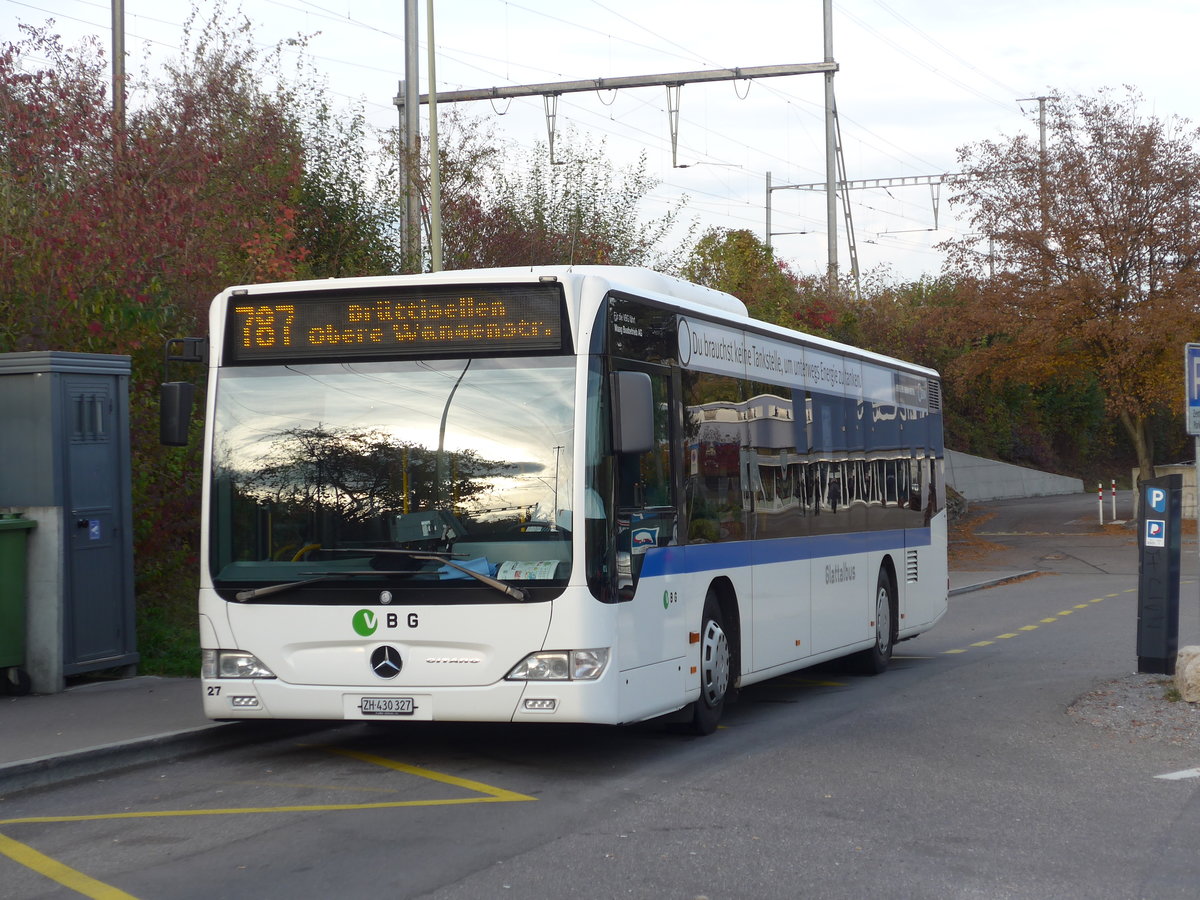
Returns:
(362, 474)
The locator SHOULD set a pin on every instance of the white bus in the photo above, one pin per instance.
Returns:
(563, 494)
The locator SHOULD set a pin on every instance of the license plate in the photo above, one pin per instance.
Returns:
(387, 706)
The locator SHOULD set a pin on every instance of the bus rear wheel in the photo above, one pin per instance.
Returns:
(715, 669)
(875, 660)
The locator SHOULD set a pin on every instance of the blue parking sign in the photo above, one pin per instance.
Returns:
(1192, 383)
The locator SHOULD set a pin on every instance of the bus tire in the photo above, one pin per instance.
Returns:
(715, 669)
(875, 660)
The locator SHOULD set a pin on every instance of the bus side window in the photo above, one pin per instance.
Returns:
(647, 514)
(644, 479)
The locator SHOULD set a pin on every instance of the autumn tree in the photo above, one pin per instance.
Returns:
(227, 172)
(1080, 267)
(507, 208)
(347, 196)
(737, 262)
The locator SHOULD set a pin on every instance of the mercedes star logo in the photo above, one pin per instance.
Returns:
(386, 662)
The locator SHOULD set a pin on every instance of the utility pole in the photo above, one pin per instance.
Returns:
(1042, 157)
(435, 169)
(1041, 120)
(410, 140)
(118, 72)
(830, 151)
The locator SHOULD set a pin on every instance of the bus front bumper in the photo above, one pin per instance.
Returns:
(506, 701)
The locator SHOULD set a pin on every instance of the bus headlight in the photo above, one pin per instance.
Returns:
(232, 664)
(561, 665)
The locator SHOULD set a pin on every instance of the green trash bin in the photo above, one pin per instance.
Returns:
(13, 531)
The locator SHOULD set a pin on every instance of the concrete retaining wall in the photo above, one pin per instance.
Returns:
(1188, 506)
(986, 479)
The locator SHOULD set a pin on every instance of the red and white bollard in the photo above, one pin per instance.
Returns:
(1100, 498)
(1114, 499)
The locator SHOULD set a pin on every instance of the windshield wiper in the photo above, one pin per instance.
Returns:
(506, 589)
(242, 596)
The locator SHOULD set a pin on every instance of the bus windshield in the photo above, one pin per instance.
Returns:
(395, 475)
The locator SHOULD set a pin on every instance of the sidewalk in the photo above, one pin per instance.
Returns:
(102, 726)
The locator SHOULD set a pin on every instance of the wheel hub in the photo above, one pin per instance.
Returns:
(714, 664)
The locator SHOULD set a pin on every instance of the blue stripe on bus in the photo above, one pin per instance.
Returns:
(738, 554)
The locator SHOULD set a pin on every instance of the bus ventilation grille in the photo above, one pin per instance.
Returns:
(910, 567)
(935, 396)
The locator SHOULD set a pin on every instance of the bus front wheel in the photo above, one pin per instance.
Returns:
(715, 669)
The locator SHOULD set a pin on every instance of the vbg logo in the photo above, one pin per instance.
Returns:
(365, 622)
(1156, 498)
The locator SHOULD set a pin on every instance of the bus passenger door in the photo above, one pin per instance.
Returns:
(651, 618)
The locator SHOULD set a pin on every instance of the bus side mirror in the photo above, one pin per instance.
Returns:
(175, 412)
(175, 397)
(632, 412)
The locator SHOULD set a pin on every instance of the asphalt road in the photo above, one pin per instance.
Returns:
(957, 774)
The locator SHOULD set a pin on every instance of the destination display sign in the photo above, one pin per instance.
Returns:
(393, 322)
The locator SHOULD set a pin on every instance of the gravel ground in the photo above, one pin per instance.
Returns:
(1139, 706)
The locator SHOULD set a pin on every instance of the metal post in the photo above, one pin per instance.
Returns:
(767, 236)
(412, 131)
(435, 174)
(118, 70)
(830, 152)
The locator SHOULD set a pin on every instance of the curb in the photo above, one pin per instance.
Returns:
(992, 582)
(106, 759)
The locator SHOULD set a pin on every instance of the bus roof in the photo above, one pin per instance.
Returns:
(643, 282)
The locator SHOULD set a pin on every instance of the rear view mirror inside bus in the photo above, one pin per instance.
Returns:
(632, 412)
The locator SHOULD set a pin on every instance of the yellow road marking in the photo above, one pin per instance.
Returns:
(56, 871)
(252, 810)
(490, 795)
(1065, 612)
(465, 783)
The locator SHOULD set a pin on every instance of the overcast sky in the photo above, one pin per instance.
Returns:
(918, 79)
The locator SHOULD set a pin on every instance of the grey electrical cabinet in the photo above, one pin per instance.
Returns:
(65, 463)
